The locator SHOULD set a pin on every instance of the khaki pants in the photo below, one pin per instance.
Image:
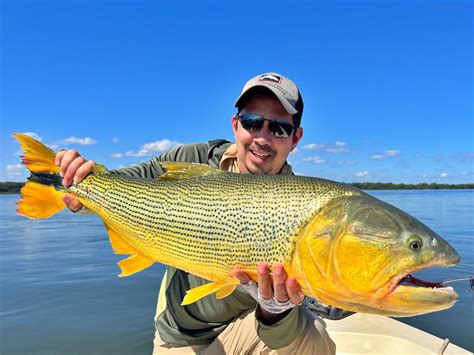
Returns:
(240, 337)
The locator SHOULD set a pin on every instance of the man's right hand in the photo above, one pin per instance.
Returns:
(75, 168)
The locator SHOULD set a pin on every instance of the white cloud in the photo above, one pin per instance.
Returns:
(153, 148)
(53, 146)
(392, 153)
(81, 141)
(140, 153)
(117, 155)
(386, 154)
(317, 160)
(115, 140)
(361, 174)
(443, 175)
(347, 162)
(16, 172)
(337, 150)
(17, 169)
(294, 151)
(34, 135)
(313, 146)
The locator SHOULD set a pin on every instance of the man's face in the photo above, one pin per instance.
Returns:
(260, 152)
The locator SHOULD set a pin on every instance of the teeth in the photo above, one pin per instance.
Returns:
(262, 155)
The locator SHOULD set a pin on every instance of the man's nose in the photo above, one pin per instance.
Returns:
(263, 136)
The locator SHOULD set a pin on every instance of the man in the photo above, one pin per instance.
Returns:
(266, 318)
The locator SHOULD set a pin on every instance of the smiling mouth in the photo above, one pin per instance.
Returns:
(261, 155)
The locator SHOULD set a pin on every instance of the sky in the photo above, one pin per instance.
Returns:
(387, 85)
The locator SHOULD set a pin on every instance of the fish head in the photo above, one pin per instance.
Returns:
(360, 253)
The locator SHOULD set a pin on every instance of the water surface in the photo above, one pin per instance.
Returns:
(60, 294)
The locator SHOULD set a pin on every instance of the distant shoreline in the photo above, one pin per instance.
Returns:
(14, 187)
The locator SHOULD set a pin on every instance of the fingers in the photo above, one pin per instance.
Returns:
(281, 287)
(294, 291)
(70, 174)
(242, 276)
(84, 170)
(73, 167)
(72, 203)
(279, 283)
(265, 287)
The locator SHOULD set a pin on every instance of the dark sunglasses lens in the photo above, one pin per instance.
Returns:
(251, 124)
(280, 129)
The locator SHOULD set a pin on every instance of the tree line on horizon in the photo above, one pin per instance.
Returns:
(9, 187)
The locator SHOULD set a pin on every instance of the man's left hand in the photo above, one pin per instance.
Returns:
(281, 287)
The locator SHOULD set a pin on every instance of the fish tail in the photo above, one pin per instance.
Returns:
(41, 195)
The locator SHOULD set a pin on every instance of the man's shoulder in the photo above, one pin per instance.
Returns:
(205, 153)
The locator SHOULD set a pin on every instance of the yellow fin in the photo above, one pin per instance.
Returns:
(251, 273)
(38, 157)
(225, 291)
(182, 171)
(222, 288)
(119, 245)
(99, 168)
(39, 201)
(134, 264)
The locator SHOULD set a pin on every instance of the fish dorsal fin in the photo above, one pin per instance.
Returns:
(99, 168)
(183, 171)
(222, 289)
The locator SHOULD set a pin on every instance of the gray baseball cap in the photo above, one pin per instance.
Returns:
(283, 88)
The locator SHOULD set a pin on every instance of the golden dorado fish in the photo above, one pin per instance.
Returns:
(344, 247)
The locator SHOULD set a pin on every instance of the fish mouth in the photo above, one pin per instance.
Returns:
(417, 296)
(412, 281)
(408, 280)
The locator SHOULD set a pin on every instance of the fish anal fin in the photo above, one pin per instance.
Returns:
(223, 289)
(118, 243)
(183, 171)
(134, 264)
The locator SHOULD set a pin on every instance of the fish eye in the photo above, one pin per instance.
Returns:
(415, 244)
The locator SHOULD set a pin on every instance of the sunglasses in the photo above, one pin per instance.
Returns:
(252, 123)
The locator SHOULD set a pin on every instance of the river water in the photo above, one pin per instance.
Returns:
(59, 293)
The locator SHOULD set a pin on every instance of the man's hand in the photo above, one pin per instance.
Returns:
(280, 287)
(75, 168)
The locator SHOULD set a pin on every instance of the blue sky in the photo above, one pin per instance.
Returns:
(387, 85)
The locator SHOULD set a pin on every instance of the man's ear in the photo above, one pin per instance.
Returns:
(235, 122)
(296, 138)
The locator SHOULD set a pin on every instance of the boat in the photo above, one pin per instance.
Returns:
(360, 333)
(373, 334)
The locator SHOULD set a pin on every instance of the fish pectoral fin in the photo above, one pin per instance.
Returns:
(222, 289)
(134, 264)
(183, 171)
(118, 243)
(225, 291)
(251, 273)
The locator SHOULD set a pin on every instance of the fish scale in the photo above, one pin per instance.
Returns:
(183, 221)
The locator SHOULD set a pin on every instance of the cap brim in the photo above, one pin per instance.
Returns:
(284, 102)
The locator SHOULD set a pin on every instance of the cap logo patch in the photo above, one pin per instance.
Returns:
(271, 77)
